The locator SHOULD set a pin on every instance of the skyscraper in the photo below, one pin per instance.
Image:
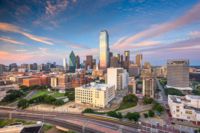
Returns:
(104, 49)
(138, 60)
(72, 62)
(126, 59)
(64, 64)
(149, 87)
(178, 74)
(77, 62)
(1, 68)
(89, 62)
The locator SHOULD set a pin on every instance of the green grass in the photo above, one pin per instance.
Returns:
(126, 105)
(52, 93)
(6, 122)
(47, 127)
(57, 94)
(40, 93)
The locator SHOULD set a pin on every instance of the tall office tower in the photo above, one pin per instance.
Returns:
(126, 59)
(72, 62)
(178, 74)
(119, 57)
(13, 67)
(89, 62)
(104, 49)
(1, 68)
(138, 60)
(114, 62)
(78, 62)
(117, 77)
(34, 65)
(65, 64)
(149, 87)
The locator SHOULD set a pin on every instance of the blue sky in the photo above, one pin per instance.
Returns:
(41, 31)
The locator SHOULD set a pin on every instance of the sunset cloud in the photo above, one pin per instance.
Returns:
(11, 41)
(191, 16)
(12, 28)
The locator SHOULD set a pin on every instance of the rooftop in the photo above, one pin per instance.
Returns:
(97, 86)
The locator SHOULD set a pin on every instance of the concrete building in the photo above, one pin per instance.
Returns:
(138, 60)
(64, 82)
(104, 49)
(117, 77)
(97, 95)
(1, 68)
(54, 82)
(185, 107)
(148, 87)
(178, 74)
(114, 62)
(126, 60)
(89, 62)
(132, 84)
(65, 64)
(134, 70)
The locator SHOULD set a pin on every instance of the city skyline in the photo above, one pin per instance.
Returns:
(37, 31)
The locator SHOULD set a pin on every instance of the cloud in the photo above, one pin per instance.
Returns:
(52, 9)
(12, 28)
(194, 34)
(11, 41)
(191, 16)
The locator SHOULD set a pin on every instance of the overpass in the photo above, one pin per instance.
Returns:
(76, 122)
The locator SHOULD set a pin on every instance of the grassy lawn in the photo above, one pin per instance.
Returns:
(40, 93)
(52, 93)
(6, 122)
(126, 105)
(57, 94)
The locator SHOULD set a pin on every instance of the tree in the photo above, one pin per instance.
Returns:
(158, 107)
(147, 100)
(12, 95)
(151, 113)
(133, 116)
(23, 103)
(130, 98)
(59, 102)
(146, 115)
(172, 91)
(115, 114)
(88, 110)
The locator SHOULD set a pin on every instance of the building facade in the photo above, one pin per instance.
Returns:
(178, 74)
(185, 107)
(138, 60)
(104, 49)
(97, 95)
(148, 87)
(117, 77)
(72, 62)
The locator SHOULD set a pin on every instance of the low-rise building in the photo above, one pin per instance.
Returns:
(97, 95)
(185, 107)
(31, 82)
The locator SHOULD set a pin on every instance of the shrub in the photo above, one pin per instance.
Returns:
(115, 114)
(88, 110)
(133, 116)
(147, 100)
(151, 113)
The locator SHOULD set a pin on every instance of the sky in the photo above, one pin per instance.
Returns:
(48, 30)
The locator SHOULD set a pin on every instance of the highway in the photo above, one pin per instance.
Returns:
(76, 122)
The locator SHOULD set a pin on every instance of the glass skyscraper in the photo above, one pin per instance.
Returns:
(104, 49)
(72, 62)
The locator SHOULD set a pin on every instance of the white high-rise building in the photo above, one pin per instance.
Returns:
(117, 77)
(104, 49)
(65, 64)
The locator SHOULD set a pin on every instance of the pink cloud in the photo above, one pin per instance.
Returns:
(189, 17)
(12, 41)
(12, 28)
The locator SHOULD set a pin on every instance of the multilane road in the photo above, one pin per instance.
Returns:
(76, 122)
